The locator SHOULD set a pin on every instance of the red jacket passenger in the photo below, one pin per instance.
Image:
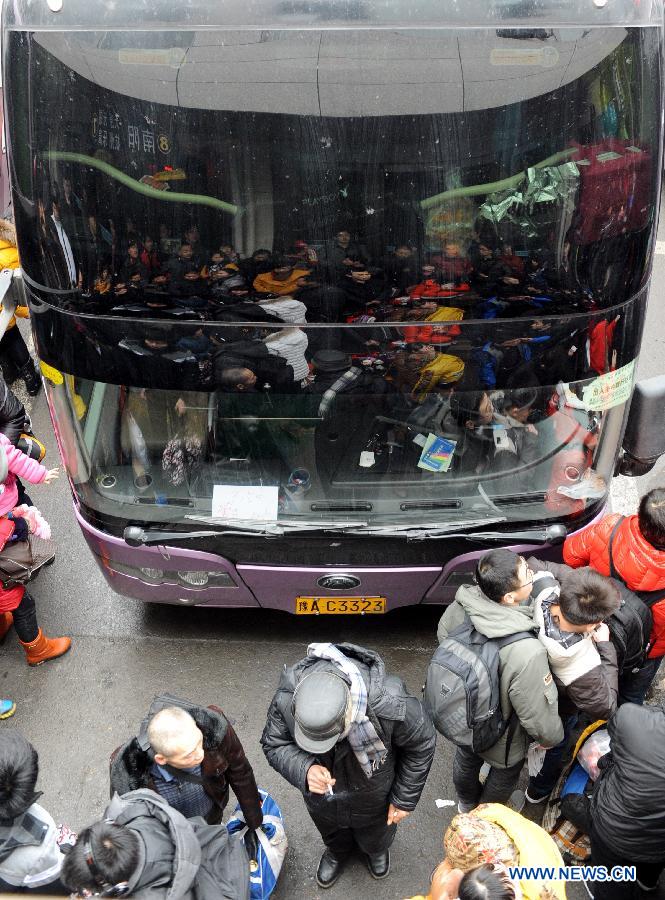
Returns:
(637, 561)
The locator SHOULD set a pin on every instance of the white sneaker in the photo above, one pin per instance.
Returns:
(465, 807)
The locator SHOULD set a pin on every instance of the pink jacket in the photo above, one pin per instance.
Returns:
(18, 464)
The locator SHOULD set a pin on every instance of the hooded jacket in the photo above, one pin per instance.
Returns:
(179, 858)
(639, 564)
(224, 761)
(398, 718)
(585, 672)
(526, 683)
(628, 803)
(29, 854)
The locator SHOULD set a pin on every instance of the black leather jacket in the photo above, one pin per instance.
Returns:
(12, 413)
(399, 719)
(628, 804)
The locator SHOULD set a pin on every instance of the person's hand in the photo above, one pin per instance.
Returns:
(51, 475)
(318, 779)
(601, 634)
(396, 815)
(180, 406)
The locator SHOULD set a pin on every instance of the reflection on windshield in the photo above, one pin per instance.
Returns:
(517, 180)
(353, 447)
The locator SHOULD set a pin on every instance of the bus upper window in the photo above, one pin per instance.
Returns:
(363, 175)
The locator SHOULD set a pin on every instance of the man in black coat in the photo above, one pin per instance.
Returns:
(628, 804)
(356, 744)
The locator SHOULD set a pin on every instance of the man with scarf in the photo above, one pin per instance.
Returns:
(356, 744)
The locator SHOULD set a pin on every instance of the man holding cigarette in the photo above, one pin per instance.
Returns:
(356, 744)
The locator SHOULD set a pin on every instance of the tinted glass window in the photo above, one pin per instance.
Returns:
(190, 171)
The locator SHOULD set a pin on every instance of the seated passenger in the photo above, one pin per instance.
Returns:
(229, 254)
(227, 285)
(343, 254)
(192, 237)
(145, 848)
(362, 286)
(282, 280)
(132, 271)
(303, 255)
(428, 286)
(186, 275)
(259, 262)
(150, 257)
(452, 266)
(515, 263)
(401, 268)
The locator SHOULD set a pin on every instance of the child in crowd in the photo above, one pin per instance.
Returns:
(17, 606)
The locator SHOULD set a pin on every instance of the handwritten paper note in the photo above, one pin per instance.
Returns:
(232, 501)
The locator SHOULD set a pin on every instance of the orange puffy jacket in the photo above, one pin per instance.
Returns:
(639, 564)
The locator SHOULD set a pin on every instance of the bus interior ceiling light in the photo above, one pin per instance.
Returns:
(54, 5)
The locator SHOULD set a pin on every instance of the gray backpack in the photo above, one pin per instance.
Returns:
(462, 692)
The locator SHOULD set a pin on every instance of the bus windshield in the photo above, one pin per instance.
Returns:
(363, 276)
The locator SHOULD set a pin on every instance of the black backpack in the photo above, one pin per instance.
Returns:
(462, 693)
(635, 618)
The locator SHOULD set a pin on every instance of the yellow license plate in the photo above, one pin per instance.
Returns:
(339, 606)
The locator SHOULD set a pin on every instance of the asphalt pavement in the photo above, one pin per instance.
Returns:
(78, 709)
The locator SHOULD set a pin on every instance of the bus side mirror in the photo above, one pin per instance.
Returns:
(644, 439)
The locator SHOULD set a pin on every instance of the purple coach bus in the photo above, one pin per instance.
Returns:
(331, 295)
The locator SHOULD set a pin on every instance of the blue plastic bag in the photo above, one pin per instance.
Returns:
(268, 849)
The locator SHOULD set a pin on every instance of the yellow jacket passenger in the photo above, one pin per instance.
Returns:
(9, 260)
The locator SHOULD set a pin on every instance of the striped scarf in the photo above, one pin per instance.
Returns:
(343, 382)
(366, 744)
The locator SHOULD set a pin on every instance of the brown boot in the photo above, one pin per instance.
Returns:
(42, 648)
(6, 622)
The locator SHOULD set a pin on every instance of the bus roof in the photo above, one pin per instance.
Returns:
(83, 15)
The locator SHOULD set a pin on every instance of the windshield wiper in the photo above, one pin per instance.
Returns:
(552, 534)
(136, 536)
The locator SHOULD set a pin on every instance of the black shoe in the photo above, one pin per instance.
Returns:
(33, 383)
(330, 868)
(379, 864)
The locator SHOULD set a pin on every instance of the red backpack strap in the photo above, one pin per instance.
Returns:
(613, 571)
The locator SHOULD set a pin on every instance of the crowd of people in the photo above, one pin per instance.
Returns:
(359, 747)
(260, 331)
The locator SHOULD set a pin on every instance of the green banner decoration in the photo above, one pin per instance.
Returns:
(140, 188)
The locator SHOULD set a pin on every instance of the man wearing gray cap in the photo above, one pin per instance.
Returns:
(356, 744)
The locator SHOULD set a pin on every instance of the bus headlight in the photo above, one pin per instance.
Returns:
(195, 578)
(152, 574)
